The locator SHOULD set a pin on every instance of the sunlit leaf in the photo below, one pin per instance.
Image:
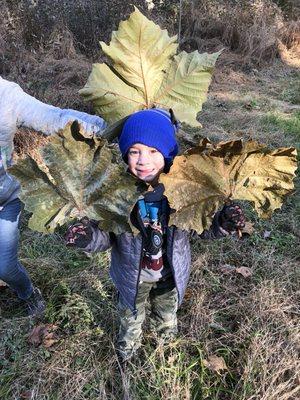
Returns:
(186, 84)
(140, 52)
(201, 180)
(145, 72)
(112, 98)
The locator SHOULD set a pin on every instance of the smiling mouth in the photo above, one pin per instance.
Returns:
(148, 171)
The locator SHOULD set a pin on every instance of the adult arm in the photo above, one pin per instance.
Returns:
(20, 109)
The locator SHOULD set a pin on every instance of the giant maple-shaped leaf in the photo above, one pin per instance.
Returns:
(146, 72)
(72, 176)
(201, 180)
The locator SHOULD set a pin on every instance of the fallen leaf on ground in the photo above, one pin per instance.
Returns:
(267, 234)
(3, 284)
(35, 336)
(27, 394)
(215, 363)
(43, 334)
(248, 228)
(227, 269)
(244, 271)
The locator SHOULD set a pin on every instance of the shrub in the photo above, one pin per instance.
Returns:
(252, 28)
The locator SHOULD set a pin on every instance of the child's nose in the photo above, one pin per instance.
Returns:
(143, 158)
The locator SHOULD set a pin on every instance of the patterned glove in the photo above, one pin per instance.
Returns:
(79, 234)
(232, 218)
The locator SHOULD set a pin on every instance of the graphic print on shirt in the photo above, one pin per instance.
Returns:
(153, 268)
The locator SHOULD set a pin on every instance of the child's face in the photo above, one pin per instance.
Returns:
(145, 162)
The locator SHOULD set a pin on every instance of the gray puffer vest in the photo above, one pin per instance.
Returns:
(127, 252)
(126, 257)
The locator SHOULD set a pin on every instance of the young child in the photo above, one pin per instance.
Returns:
(155, 264)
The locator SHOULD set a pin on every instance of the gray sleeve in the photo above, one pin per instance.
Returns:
(21, 109)
(101, 241)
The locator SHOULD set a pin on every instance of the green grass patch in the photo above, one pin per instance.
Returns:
(288, 124)
(292, 92)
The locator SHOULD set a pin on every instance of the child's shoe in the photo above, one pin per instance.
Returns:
(125, 355)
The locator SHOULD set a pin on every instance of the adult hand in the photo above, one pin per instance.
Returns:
(91, 125)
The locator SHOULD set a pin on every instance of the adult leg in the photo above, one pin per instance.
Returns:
(164, 305)
(11, 270)
(130, 333)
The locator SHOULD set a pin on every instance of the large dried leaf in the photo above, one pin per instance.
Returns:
(146, 73)
(76, 177)
(112, 98)
(201, 180)
(140, 52)
(186, 83)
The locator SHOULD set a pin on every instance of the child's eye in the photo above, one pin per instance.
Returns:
(133, 152)
(153, 151)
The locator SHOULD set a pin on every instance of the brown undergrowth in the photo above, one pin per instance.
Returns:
(254, 29)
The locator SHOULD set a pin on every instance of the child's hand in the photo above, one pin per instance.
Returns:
(232, 218)
(79, 234)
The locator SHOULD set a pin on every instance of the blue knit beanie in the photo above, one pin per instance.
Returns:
(153, 128)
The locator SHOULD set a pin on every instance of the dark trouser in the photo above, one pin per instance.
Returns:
(11, 271)
(163, 318)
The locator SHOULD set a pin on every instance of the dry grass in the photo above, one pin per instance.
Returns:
(53, 81)
(290, 34)
(26, 141)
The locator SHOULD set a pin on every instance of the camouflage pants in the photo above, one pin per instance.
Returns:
(163, 319)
